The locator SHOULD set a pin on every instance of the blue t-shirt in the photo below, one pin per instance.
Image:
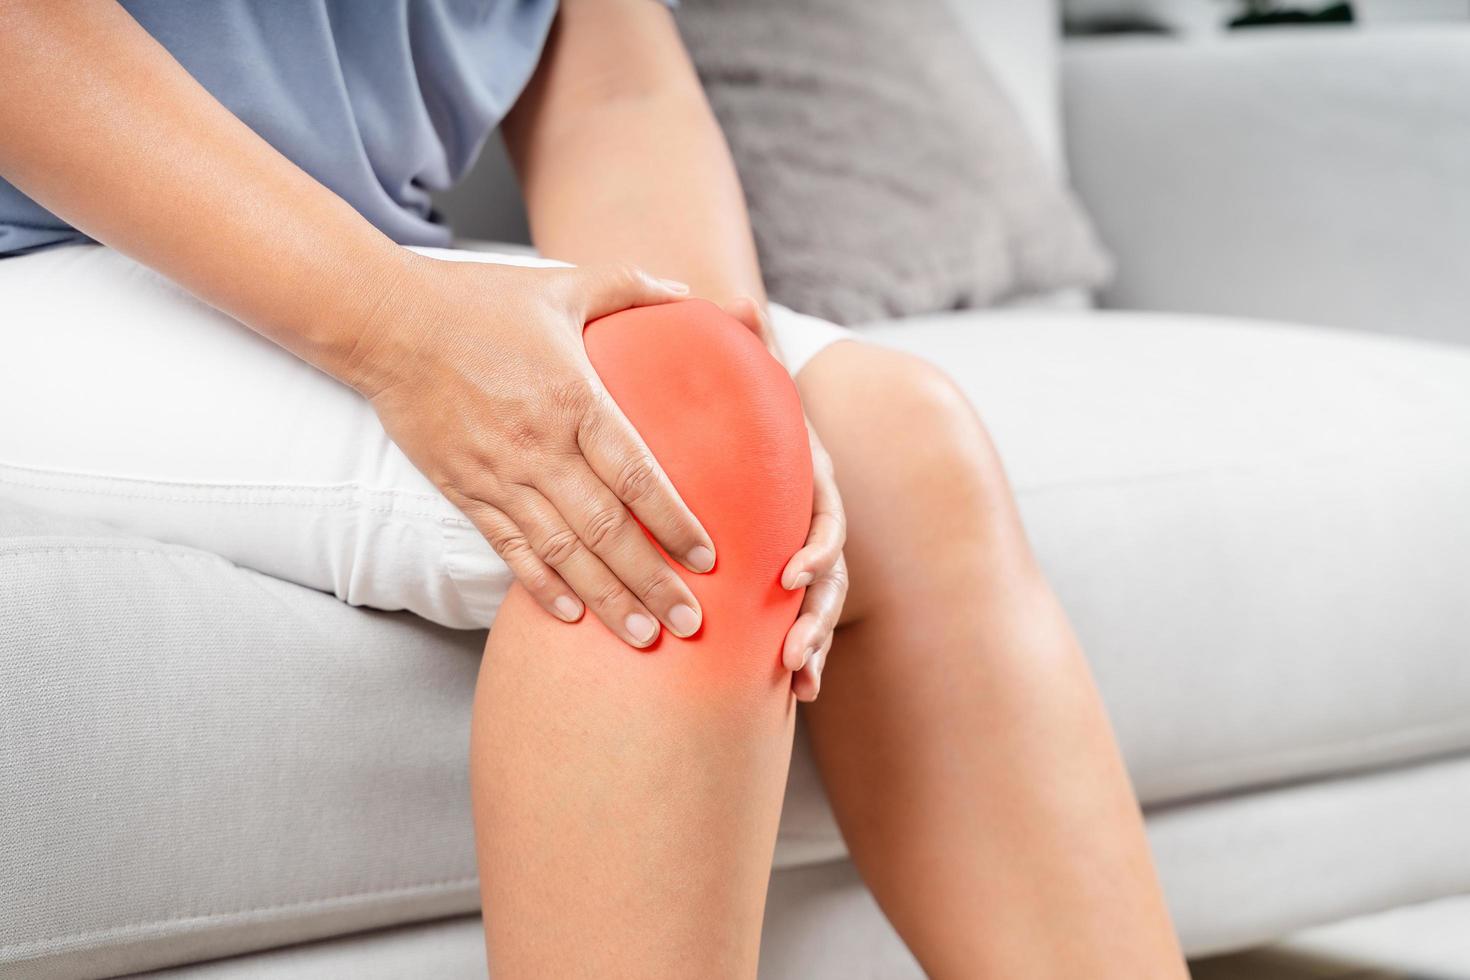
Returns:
(380, 100)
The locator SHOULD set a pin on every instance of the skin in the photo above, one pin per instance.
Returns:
(604, 145)
(961, 740)
(671, 762)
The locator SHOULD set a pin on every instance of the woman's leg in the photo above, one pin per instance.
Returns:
(626, 802)
(962, 742)
(138, 406)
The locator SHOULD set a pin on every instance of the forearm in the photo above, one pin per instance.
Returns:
(105, 129)
(621, 159)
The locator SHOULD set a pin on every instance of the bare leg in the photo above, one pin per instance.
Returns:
(624, 828)
(626, 802)
(963, 745)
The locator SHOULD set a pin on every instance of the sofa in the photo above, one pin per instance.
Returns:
(1245, 466)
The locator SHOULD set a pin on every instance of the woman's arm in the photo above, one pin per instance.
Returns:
(477, 371)
(620, 158)
(100, 125)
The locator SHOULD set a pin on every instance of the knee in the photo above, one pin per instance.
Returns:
(926, 496)
(720, 414)
(898, 420)
(724, 420)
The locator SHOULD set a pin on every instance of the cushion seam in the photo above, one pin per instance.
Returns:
(15, 951)
(8, 550)
(1308, 753)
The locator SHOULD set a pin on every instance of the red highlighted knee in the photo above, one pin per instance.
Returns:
(724, 420)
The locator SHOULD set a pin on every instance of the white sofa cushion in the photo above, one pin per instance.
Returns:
(198, 760)
(1259, 531)
(1315, 175)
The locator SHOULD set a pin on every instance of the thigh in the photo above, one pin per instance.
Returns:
(126, 400)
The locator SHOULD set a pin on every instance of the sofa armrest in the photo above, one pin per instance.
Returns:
(1314, 175)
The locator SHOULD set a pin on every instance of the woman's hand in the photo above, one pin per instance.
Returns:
(819, 566)
(479, 374)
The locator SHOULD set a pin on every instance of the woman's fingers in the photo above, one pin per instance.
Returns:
(806, 683)
(751, 313)
(546, 586)
(609, 531)
(562, 548)
(622, 461)
(604, 289)
(499, 403)
(820, 609)
(828, 533)
(608, 441)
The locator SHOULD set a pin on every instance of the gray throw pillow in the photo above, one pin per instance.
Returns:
(886, 172)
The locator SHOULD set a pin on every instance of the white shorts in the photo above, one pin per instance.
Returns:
(125, 400)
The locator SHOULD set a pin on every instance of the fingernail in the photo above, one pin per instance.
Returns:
(819, 663)
(806, 656)
(794, 664)
(567, 608)
(640, 627)
(801, 581)
(684, 620)
(701, 559)
(674, 285)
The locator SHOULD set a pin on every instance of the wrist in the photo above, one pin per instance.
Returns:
(360, 321)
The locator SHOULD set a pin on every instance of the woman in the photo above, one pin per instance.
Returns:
(271, 161)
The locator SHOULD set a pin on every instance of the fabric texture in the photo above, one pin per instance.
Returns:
(822, 923)
(1238, 870)
(1258, 530)
(885, 170)
(1315, 175)
(147, 409)
(381, 102)
(199, 759)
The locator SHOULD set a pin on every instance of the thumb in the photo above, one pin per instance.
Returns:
(751, 313)
(610, 288)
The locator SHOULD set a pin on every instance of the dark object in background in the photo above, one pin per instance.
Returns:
(886, 172)
(1265, 14)
(1111, 25)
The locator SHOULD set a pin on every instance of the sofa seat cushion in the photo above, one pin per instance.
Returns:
(1261, 531)
(199, 760)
